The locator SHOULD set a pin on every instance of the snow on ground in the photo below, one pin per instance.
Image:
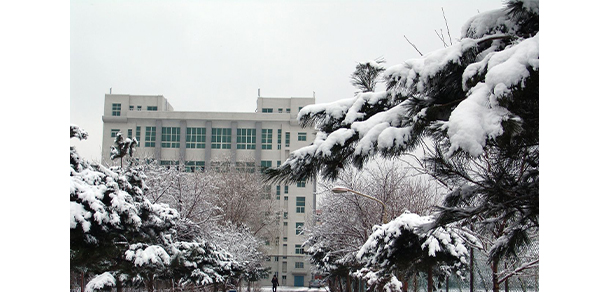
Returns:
(326, 289)
(294, 289)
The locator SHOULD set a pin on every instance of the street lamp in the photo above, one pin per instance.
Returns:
(341, 190)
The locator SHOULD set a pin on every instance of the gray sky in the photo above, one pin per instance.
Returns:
(215, 55)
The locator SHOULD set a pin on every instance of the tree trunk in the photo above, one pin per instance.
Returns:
(82, 281)
(415, 282)
(506, 281)
(471, 269)
(447, 284)
(494, 277)
(430, 282)
(119, 286)
(150, 286)
(348, 284)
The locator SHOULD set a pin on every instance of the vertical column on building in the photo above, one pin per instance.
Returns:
(158, 125)
(208, 147)
(233, 142)
(259, 144)
(314, 183)
(182, 153)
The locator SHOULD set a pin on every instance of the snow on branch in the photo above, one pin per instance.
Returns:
(78, 132)
(517, 271)
(101, 282)
(458, 94)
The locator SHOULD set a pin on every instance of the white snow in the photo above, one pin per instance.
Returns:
(78, 215)
(479, 117)
(394, 285)
(486, 23)
(104, 280)
(153, 254)
(439, 239)
(414, 73)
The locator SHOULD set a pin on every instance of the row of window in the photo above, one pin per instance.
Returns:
(116, 109)
(199, 166)
(221, 137)
(268, 110)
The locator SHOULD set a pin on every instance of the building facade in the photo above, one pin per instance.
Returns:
(197, 140)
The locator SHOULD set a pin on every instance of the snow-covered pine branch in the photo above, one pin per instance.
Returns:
(459, 92)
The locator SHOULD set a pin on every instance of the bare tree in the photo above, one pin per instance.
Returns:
(346, 220)
(242, 198)
(228, 203)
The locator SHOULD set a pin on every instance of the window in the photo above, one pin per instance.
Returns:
(129, 133)
(299, 228)
(131, 107)
(169, 163)
(116, 109)
(266, 139)
(267, 110)
(279, 139)
(300, 204)
(287, 110)
(285, 239)
(138, 135)
(151, 108)
(220, 166)
(195, 138)
(170, 137)
(301, 184)
(279, 163)
(298, 249)
(299, 265)
(300, 108)
(246, 138)
(287, 139)
(139, 108)
(277, 193)
(221, 138)
(285, 189)
(194, 166)
(113, 132)
(302, 136)
(245, 167)
(265, 164)
(279, 110)
(285, 215)
(150, 135)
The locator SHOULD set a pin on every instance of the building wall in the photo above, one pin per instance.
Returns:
(277, 114)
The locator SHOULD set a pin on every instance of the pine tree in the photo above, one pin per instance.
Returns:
(118, 234)
(122, 146)
(404, 246)
(367, 75)
(477, 101)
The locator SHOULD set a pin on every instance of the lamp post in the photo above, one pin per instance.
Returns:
(340, 190)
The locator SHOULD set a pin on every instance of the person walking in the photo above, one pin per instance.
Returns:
(275, 283)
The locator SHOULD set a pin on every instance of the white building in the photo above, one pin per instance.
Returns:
(196, 139)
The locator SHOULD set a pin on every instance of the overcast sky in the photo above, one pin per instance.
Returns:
(207, 57)
(215, 55)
